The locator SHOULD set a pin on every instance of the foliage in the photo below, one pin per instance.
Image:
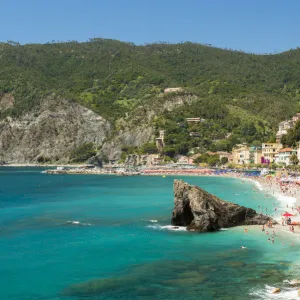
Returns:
(212, 160)
(292, 137)
(113, 77)
(224, 160)
(83, 152)
(149, 148)
(293, 159)
(241, 96)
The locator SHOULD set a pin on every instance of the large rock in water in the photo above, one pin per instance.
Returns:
(201, 211)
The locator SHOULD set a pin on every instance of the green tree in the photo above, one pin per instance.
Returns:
(83, 152)
(169, 151)
(149, 148)
(224, 160)
(294, 160)
(213, 160)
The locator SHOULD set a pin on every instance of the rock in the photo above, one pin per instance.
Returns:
(276, 291)
(295, 282)
(201, 211)
(52, 131)
(95, 160)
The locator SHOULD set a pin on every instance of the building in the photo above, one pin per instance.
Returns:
(225, 154)
(195, 120)
(154, 160)
(184, 160)
(255, 154)
(241, 154)
(284, 126)
(296, 118)
(160, 141)
(195, 134)
(269, 150)
(173, 90)
(283, 156)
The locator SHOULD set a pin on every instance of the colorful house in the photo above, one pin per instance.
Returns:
(269, 150)
(241, 154)
(255, 154)
(284, 155)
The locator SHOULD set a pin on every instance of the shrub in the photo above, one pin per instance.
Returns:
(83, 152)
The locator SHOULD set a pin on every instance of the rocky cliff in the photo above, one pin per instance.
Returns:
(136, 128)
(52, 131)
(57, 126)
(201, 211)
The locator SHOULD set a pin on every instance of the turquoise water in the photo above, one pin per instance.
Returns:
(91, 237)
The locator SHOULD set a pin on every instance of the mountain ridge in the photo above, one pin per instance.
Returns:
(116, 80)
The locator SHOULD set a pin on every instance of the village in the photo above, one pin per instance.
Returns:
(244, 157)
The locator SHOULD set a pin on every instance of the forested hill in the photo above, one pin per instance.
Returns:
(115, 79)
(111, 76)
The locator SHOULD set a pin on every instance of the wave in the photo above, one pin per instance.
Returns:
(285, 199)
(78, 223)
(258, 185)
(153, 221)
(287, 293)
(167, 227)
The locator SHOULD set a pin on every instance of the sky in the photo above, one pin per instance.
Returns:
(258, 26)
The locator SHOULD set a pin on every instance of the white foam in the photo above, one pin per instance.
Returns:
(153, 221)
(73, 222)
(258, 185)
(286, 199)
(167, 227)
(285, 294)
(78, 223)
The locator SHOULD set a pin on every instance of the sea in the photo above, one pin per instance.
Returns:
(69, 237)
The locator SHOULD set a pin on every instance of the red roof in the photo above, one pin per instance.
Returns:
(286, 150)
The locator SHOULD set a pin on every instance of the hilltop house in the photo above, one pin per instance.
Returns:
(284, 155)
(195, 134)
(160, 141)
(284, 126)
(269, 150)
(195, 120)
(173, 90)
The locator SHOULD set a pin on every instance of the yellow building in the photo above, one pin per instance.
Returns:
(241, 154)
(269, 150)
(255, 155)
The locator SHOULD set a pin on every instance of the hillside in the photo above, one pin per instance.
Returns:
(241, 95)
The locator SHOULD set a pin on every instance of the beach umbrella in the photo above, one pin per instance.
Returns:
(287, 215)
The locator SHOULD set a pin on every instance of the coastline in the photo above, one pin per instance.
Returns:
(262, 185)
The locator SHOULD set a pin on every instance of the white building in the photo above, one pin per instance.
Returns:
(173, 90)
(283, 156)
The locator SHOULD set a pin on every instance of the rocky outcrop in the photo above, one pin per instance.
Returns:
(201, 211)
(57, 126)
(135, 129)
(52, 131)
